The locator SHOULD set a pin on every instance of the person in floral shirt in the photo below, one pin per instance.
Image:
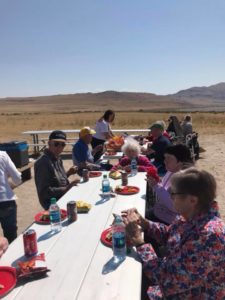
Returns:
(194, 265)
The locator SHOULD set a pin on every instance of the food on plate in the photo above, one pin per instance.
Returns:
(45, 217)
(115, 174)
(83, 207)
(108, 236)
(116, 142)
(1, 286)
(95, 173)
(126, 189)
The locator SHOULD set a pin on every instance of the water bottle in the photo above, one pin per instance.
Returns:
(118, 240)
(133, 167)
(55, 217)
(105, 186)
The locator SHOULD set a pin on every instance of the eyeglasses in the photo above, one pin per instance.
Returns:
(57, 144)
(172, 194)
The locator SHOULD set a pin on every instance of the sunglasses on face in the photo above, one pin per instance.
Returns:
(59, 144)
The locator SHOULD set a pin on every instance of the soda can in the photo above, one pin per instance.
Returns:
(124, 177)
(72, 211)
(85, 175)
(30, 242)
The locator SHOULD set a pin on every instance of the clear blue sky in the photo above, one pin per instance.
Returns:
(68, 46)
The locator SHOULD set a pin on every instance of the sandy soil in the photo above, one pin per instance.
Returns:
(213, 160)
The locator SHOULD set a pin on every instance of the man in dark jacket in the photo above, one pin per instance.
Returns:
(158, 147)
(51, 179)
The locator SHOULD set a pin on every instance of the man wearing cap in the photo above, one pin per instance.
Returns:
(51, 179)
(158, 147)
(83, 157)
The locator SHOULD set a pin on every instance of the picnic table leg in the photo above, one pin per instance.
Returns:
(36, 142)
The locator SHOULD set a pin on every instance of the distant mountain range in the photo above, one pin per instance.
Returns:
(216, 91)
(210, 98)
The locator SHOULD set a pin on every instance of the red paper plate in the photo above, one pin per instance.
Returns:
(7, 279)
(127, 190)
(93, 174)
(38, 220)
(104, 239)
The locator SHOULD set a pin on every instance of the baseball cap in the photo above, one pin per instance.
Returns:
(156, 125)
(57, 135)
(85, 131)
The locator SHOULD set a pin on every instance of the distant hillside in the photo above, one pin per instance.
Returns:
(210, 98)
(216, 91)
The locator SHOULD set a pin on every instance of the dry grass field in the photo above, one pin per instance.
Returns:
(12, 125)
(211, 128)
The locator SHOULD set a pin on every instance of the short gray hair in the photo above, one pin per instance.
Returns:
(199, 183)
(131, 144)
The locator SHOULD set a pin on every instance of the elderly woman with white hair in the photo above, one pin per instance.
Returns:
(131, 150)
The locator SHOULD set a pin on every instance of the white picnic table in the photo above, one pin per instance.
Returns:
(39, 142)
(76, 257)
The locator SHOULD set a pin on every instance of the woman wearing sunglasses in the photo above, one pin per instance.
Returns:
(51, 179)
(194, 265)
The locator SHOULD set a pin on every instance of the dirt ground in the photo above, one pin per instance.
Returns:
(213, 160)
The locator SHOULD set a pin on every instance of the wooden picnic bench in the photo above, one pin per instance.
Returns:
(39, 142)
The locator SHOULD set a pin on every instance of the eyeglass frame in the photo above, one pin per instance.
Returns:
(176, 193)
(57, 144)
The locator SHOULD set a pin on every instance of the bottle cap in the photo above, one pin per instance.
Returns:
(104, 176)
(53, 200)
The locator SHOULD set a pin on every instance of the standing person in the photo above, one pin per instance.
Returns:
(8, 208)
(103, 131)
(51, 179)
(186, 125)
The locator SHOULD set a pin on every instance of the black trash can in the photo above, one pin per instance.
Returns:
(17, 151)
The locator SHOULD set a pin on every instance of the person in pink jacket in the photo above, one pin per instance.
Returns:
(131, 149)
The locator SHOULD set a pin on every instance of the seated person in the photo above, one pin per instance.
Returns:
(3, 245)
(131, 149)
(193, 267)
(186, 126)
(83, 157)
(158, 147)
(8, 207)
(177, 157)
(51, 179)
(151, 138)
(171, 127)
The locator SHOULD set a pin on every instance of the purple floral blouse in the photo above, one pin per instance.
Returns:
(194, 267)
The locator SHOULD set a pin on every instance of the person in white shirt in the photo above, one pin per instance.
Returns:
(103, 132)
(8, 209)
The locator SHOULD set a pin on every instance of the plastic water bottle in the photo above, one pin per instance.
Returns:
(105, 186)
(55, 217)
(133, 167)
(119, 240)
